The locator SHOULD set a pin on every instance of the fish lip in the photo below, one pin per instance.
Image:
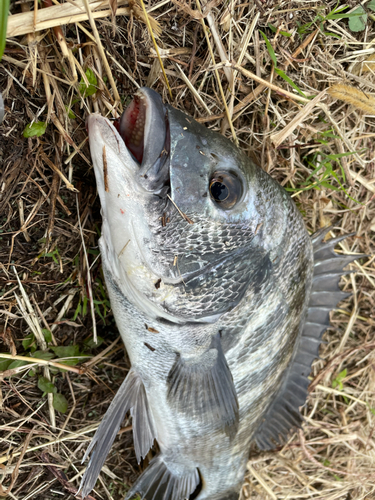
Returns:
(146, 113)
(100, 126)
(152, 167)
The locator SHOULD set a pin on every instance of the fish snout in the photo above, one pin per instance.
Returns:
(144, 129)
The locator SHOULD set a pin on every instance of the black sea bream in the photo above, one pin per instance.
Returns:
(219, 293)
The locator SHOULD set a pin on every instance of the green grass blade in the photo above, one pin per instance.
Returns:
(287, 79)
(4, 9)
(269, 48)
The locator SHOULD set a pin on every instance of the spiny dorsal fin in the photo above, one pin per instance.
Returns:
(203, 388)
(158, 482)
(283, 415)
(131, 396)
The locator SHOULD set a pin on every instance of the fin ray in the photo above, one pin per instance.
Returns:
(218, 400)
(158, 482)
(130, 396)
(325, 295)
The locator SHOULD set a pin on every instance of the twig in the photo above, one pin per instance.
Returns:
(269, 85)
(89, 283)
(59, 15)
(39, 362)
(316, 462)
(156, 48)
(217, 76)
(184, 216)
(58, 171)
(261, 481)
(193, 90)
(102, 53)
(280, 137)
(70, 437)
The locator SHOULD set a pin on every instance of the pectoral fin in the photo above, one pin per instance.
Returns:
(203, 388)
(131, 396)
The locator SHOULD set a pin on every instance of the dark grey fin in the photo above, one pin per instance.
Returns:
(230, 494)
(144, 431)
(203, 388)
(158, 482)
(131, 396)
(283, 415)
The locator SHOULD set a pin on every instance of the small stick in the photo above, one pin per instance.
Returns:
(102, 53)
(68, 139)
(193, 52)
(193, 90)
(65, 50)
(218, 76)
(38, 362)
(51, 219)
(281, 136)
(22, 219)
(184, 216)
(69, 437)
(267, 84)
(58, 15)
(105, 170)
(156, 47)
(89, 285)
(219, 45)
(58, 171)
(259, 89)
(316, 462)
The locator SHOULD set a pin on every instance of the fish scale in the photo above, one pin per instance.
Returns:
(221, 307)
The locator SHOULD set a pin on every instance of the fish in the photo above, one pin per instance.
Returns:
(220, 294)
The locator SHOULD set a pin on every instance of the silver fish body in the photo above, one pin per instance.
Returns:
(218, 291)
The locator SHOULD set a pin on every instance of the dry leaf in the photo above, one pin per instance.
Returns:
(113, 7)
(225, 20)
(138, 14)
(365, 66)
(195, 14)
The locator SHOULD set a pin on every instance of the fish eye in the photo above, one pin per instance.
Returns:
(225, 189)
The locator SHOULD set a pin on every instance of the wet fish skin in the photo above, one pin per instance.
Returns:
(211, 312)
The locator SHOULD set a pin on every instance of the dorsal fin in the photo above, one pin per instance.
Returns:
(283, 415)
(131, 396)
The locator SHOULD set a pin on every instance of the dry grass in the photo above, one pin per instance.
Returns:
(49, 233)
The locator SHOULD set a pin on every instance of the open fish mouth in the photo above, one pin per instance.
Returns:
(144, 128)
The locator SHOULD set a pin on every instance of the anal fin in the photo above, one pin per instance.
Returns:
(325, 295)
(159, 482)
(203, 388)
(130, 396)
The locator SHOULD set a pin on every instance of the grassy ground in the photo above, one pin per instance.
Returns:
(51, 284)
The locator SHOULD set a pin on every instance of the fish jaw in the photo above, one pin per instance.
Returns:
(122, 198)
(125, 205)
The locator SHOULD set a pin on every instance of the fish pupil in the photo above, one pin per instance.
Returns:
(219, 191)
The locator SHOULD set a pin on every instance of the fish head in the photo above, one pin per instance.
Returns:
(181, 208)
